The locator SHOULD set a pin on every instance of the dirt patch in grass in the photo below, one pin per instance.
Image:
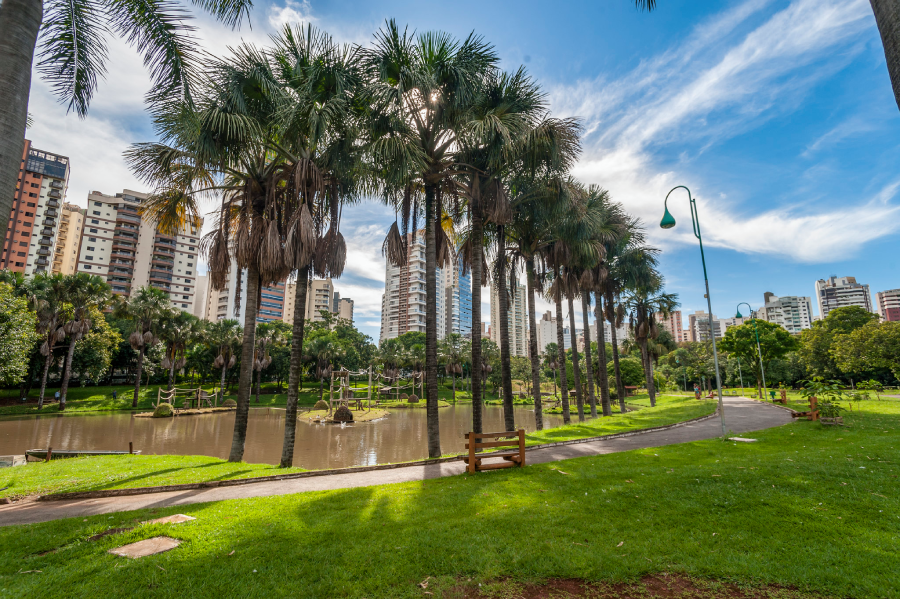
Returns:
(655, 586)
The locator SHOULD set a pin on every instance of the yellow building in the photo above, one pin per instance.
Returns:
(65, 258)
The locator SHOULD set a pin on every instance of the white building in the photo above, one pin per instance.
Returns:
(840, 292)
(403, 303)
(226, 303)
(888, 304)
(792, 312)
(517, 316)
(698, 326)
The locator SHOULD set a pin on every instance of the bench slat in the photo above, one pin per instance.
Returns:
(497, 466)
(487, 435)
(510, 443)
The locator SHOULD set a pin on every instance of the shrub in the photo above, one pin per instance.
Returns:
(164, 410)
(321, 405)
(229, 403)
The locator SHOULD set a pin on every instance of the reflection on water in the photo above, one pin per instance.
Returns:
(400, 437)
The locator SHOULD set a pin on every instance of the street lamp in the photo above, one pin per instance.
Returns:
(667, 222)
(758, 350)
(741, 375)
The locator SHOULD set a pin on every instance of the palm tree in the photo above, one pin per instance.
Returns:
(415, 359)
(323, 351)
(73, 58)
(146, 307)
(222, 337)
(178, 330)
(422, 91)
(267, 335)
(551, 360)
(452, 352)
(82, 292)
(390, 354)
(46, 295)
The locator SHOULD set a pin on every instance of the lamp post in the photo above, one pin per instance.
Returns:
(741, 375)
(758, 349)
(667, 222)
(683, 373)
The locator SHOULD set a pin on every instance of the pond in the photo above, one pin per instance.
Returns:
(402, 436)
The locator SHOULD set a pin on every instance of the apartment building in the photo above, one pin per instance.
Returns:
(673, 324)
(698, 326)
(229, 303)
(622, 333)
(403, 302)
(201, 297)
(517, 316)
(320, 295)
(130, 252)
(840, 292)
(65, 257)
(888, 303)
(33, 225)
(343, 307)
(458, 290)
(792, 312)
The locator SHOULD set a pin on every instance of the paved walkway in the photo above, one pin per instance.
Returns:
(741, 416)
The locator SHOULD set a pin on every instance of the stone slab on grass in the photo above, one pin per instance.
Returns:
(8, 461)
(742, 440)
(146, 547)
(173, 519)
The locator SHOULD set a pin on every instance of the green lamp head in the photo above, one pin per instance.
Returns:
(668, 221)
(738, 315)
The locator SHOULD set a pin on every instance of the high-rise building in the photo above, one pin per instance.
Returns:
(517, 317)
(888, 304)
(34, 221)
(698, 326)
(129, 252)
(403, 302)
(65, 258)
(792, 312)
(344, 309)
(201, 297)
(672, 323)
(458, 301)
(622, 333)
(226, 303)
(840, 292)
(320, 295)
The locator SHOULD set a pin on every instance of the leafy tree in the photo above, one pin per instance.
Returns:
(774, 342)
(872, 346)
(145, 309)
(817, 342)
(94, 352)
(223, 337)
(17, 335)
(632, 371)
(178, 330)
(83, 293)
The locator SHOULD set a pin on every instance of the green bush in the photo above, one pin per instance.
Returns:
(321, 405)
(164, 410)
(229, 403)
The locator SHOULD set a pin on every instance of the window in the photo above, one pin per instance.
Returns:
(21, 254)
(184, 305)
(29, 214)
(35, 185)
(32, 195)
(94, 221)
(88, 257)
(96, 213)
(97, 204)
(20, 264)
(93, 231)
(188, 272)
(23, 243)
(90, 248)
(31, 204)
(27, 224)
(185, 297)
(92, 239)
(189, 264)
(88, 266)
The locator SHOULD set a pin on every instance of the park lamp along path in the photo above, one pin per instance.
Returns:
(758, 349)
(667, 222)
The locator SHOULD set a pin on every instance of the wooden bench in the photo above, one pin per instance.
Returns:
(512, 457)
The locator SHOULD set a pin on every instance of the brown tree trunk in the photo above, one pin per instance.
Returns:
(561, 347)
(576, 370)
(533, 347)
(589, 365)
(44, 379)
(602, 374)
(137, 378)
(620, 388)
(258, 379)
(242, 414)
(222, 384)
(476, 383)
(67, 373)
(172, 375)
(503, 314)
(432, 222)
(887, 17)
(648, 373)
(295, 375)
(20, 22)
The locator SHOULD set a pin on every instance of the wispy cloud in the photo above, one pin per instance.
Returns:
(736, 71)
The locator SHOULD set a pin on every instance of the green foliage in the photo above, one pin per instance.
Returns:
(94, 352)
(163, 410)
(632, 372)
(872, 346)
(17, 335)
(817, 343)
(741, 341)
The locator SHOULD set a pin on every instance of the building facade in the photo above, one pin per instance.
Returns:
(129, 252)
(458, 290)
(227, 303)
(517, 318)
(840, 292)
(888, 303)
(403, 303)
(792, 312)
(320, 295)
(65, 257)
(33, 225)
(698, 326)
(673, 324)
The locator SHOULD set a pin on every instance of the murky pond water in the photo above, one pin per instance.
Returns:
(400, 437)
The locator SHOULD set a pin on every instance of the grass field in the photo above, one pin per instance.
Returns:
(808, 506)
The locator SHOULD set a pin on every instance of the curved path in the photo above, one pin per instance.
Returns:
(741, 416)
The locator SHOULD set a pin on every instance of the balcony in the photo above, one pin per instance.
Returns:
(45, 241)
(43, 252)
(127, 217)
(165, 242)
(42, 262)
(52, 203)
(48, 222)
(56, 184)
(155, 276)
(54, 193)
(120, 270)
(163, 286)
(47, 231)
(164, 259)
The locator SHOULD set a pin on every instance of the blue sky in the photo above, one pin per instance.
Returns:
(777, 114)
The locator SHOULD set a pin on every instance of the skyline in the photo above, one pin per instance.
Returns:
(794, 95)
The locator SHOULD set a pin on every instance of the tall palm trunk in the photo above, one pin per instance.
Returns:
(222, 383)
(533, 347)
(44, 379)
(432, 222)
(137, 378)
(20, 22)
(620, 388)
(321, 388)
(561, 348)
(503, 314)
(67, 373)
(477, 239)
(602, 375)
(648, 372)
(589, 365)
(295, 375)
(576, 370)
(172, 374)
(242, 414)
(258, 380)
(887, 17)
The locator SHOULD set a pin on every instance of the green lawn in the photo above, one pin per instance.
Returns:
(809, 506)
(123, 472)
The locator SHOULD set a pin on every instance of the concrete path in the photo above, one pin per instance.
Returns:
(741, 416)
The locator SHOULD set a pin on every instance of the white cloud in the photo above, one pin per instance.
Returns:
(698, 95)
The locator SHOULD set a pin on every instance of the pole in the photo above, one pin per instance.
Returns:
(761, 367)
(684, 377)
(741, 375)
(370, 387)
